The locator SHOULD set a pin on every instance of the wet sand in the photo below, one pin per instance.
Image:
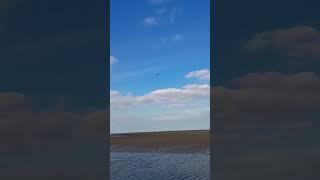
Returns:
(192, 141)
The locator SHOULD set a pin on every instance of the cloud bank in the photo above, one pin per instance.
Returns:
(267, 100)
(185, 105)
(162, 96)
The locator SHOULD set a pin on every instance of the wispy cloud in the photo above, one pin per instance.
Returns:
(158, 2)
(177, 38)
(203, 74)
(134, 73)
(162, 11)
(165, 13)
(113, 60)
(172, 15)
(150, 21)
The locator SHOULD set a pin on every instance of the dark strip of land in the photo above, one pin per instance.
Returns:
(189, 141)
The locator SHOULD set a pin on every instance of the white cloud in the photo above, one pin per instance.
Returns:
(184, 108)
(150, 21)
(113, 60)
(203, 74)
(169, 96)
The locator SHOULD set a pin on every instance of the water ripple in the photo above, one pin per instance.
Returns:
(159, 166)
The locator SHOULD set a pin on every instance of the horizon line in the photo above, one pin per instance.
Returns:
(159, 131)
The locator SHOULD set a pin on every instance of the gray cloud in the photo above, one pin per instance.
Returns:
(11, 101)
(295, 42)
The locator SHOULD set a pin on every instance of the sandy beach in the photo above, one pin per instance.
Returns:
(190, 141)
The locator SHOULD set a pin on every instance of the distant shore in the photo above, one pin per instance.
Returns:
(189, 141)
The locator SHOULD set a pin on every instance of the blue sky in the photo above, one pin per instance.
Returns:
(169, 37)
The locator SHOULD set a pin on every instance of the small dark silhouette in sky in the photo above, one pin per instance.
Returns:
(157, 74)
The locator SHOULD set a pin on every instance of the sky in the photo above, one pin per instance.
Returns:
(169, 37)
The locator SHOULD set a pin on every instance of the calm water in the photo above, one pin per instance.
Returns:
(159, 166)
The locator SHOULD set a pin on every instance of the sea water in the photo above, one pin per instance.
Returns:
(159, 166)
